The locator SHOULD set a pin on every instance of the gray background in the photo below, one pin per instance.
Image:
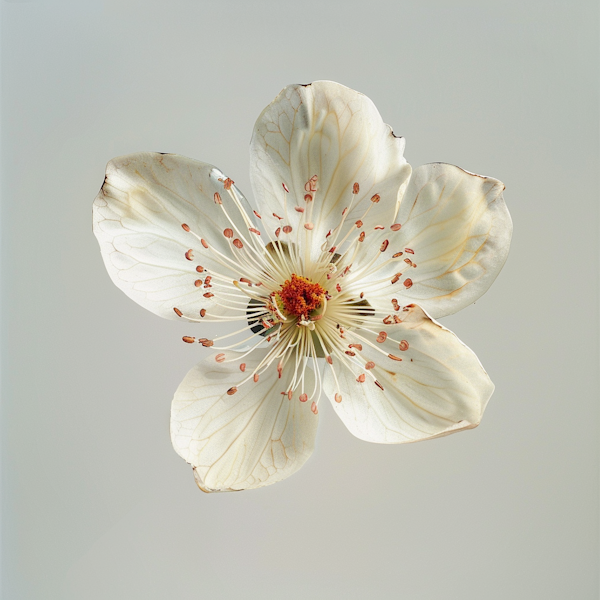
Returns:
(97, 505)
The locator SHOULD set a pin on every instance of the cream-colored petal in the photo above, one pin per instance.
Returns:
(437, 388)
(454, 239)
(250, 439)
(328, 130)
(138, 216)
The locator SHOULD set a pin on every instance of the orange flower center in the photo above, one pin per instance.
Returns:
(300, 295)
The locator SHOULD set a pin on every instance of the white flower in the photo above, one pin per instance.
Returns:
(334, 281)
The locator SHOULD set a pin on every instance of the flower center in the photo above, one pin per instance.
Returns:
(300, 296)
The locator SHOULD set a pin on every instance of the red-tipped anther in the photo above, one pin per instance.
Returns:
(185, 227)
(332, 249)
(408, 262)
(245, 280)
(311, 184)
(398, 255)
(255, 377)
(394, 357)
(298, 209)
(384, 246)
(396, 227)
(207, 281)
(380, 227)
(307, 198)
(242, 367)
(276, 215)
(189, 254)
(287, 229)
(228, 183)
(403, 345)
(279, 369)
(396, 277)
(350, 353)
(237, 243)
(362, 295)
(357, 346)
(382, 337)
(257, 214)
(308, 226)
(178, 312)
(361, 237)
(231, 391)
(202, 312)
(252, 230)
(289, 394)
(198, 282)
(200, 269)
(355, 188)
(409, 251)
(228, 233)
(314, 408)
(329, 360)
(204, 243)
(277, 232)
(359, 224)
(285, 187)
(303, 397)
(379, 385)
(206, 342)
(217, 198)
(338, 287)
(361, 378)
(407, 283)
(220, 357)
(376, 198)
(397, 319)
(188, 339)
(370, 365)
(387, 320)
(208, 295)
(338, 398)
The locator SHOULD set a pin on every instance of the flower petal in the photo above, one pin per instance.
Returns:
(250, 439)
(328, 130)
(454, 240)
(433, 385)
(138, 217)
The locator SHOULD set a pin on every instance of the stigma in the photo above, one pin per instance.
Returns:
(300, 296)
